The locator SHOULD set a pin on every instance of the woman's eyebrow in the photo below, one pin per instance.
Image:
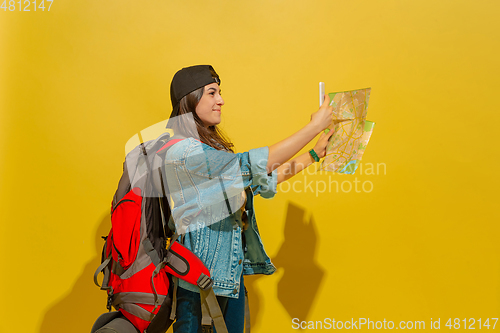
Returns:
(214, 89)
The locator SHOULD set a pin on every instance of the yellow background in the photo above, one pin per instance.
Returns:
(77, 82)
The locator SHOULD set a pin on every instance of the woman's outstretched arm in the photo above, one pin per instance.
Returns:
(284, 150)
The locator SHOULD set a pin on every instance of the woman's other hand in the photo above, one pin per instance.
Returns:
(320, 147)
(323, 118)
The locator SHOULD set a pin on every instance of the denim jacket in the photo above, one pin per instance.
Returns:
(206, 186)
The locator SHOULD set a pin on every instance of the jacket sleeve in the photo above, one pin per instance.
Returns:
(262, 183)
(209, 184)
(237, 171)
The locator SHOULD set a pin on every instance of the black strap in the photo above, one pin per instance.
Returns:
(229, 210)
(247, 313)
(221, 184)
(174, 299)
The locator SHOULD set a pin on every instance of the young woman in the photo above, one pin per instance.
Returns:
(212, 191)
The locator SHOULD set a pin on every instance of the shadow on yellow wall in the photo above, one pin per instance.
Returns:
(78, 310)
(299, 285)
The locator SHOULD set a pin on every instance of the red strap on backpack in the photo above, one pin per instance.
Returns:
(168, 144)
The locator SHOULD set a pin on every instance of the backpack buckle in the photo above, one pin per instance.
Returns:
(207, 329)
(110, 300)
(204, 282)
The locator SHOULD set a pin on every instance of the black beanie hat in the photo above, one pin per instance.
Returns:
(187, 80)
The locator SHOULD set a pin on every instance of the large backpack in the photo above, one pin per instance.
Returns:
(140, 254)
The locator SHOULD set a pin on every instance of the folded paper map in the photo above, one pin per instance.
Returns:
(351, 131)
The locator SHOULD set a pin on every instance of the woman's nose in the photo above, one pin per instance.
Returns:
(221, 100)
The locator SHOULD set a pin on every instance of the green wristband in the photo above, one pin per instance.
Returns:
(314, 155)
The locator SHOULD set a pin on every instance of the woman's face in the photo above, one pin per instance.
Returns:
(210, 104)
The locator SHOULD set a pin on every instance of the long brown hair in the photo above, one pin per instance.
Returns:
(212, 135)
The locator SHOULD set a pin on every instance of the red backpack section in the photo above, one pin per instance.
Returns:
(134, 298)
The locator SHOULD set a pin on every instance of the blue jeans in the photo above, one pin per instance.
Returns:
(189, 311)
